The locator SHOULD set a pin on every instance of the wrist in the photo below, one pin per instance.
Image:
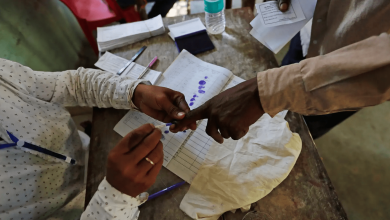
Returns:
(137, 96)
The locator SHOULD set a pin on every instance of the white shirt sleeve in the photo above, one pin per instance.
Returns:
(108, 203)
(81, 87)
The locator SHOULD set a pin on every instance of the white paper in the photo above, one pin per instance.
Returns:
(271, 15)
(186, 27)
(119, 35)
(236, 174)
(190, 156)
(112, 63)
(274, 38)
(197, 80)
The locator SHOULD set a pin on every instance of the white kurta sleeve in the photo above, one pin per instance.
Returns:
(108, 203)
(81, 87)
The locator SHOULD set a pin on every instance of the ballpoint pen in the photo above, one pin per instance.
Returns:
(132, 60)
(148, 67)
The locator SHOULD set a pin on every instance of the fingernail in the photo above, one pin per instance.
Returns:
(180, 114)
(283, 7)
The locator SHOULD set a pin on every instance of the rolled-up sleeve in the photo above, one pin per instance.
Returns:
(349, 78)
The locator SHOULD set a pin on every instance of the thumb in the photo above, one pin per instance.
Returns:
(283, 5)
(191, 117)
(176, 108)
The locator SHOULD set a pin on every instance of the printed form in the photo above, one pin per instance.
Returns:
(271, 15)
(197, 80)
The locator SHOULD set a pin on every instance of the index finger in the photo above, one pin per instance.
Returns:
(146, 145)
(133, 138)
(190, 118)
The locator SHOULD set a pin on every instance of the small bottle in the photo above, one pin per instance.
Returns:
(215, 17)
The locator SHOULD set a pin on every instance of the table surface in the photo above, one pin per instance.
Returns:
(307, 192)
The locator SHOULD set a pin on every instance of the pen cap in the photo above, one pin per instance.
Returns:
(213, 6)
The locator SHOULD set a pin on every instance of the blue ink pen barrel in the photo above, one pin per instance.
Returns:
(215, 16)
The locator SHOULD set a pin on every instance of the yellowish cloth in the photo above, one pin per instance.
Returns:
(238, 173)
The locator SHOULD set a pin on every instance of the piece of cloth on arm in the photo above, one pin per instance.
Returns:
(108, 203)
(349, 78)
(236, 174)
(35, 185)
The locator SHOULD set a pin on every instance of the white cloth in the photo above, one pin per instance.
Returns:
(305, 34)
(236, 174)
(34, 185)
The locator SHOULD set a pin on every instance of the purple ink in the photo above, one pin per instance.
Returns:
(168, 124)
(201, 87)
(193, 99)
(201, 91)
(202, 82)
(195, 96)
(166, 132)
(206, 77)
(191, 103)
(184, 131)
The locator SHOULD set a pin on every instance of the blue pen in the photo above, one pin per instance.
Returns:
(157, 194)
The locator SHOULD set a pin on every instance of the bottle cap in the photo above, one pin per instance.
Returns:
(213, 6)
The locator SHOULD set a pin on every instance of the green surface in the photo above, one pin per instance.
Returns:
(356, 155)
(42, 34)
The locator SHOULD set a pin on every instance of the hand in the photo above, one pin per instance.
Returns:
(127, 169)
(231, 112)
(160, 103)
(283, 4)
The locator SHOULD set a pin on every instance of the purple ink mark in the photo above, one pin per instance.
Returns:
(193, 99)
(166, 132)
(168, 124)
(195, 96)
(191, 103)
(202, 82)
(201, 87)
(206, 77)
(201, 91)
(184, 131)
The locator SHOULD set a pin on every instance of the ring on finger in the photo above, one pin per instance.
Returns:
(149, 160)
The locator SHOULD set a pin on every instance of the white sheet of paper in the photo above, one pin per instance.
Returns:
(154, 23)
(274, 38)
(271, 15)
(112, 63)
(190, 156)
(186, 27)
(197, 80)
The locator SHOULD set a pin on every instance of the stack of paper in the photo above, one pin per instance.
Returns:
(119, 35)
(112, 63)
(274, 29)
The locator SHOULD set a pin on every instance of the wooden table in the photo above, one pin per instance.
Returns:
(307, 193)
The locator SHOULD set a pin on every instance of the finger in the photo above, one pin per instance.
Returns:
(174, 107)
(155, 156)
(155, 169)
(238, 133)
(283, 5)
(191, 118)
(146, 146)
(212, 131)
(133, 138)
(224, 132)
(182, 103)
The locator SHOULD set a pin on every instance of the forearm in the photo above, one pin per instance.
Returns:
(347, 79)
(94, 88)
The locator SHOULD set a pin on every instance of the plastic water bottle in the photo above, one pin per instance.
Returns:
(215, 17)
